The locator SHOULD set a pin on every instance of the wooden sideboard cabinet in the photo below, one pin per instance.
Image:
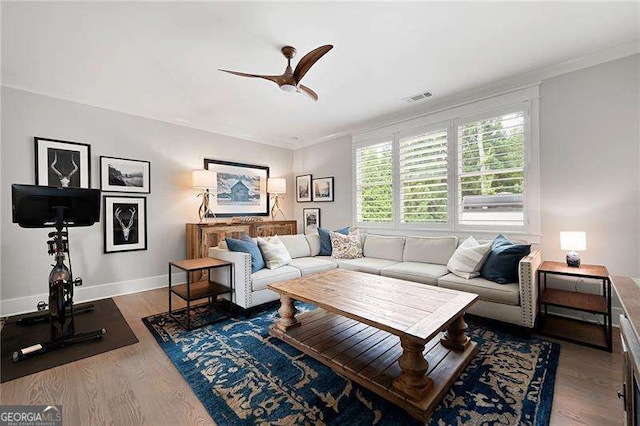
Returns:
(202, 236)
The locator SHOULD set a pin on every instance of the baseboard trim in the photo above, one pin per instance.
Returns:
(27, 304)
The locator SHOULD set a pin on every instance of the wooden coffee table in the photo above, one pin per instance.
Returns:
(404, 341)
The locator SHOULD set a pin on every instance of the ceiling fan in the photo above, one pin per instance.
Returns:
(290, 81)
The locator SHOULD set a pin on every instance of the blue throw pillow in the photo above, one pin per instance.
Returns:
(247, 245)
(502, 264)
(325, 240)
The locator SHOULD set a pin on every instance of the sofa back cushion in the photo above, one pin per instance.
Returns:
(296, 245)
(436, 250)
(314, 243)
(384, 247)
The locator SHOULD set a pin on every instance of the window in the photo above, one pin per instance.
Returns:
(491, 171)
(473, 167)
(423, 178)
(374, 179)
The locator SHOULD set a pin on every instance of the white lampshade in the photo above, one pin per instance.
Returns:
(203, 179)
(573, 241)
(277, 186)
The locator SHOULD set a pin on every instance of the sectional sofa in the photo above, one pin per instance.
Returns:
(418, 259)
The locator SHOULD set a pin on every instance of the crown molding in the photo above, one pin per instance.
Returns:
(496, 88)
(8, 83)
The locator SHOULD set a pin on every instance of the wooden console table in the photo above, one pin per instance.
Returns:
(202, 236)
(575, 331)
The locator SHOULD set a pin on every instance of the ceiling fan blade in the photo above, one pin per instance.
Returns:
(304, 89)
(274, 78)
(309, 59)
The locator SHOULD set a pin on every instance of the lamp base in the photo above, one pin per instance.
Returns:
(573, 259)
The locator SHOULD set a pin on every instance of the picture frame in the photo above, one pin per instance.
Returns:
(241, 189)
(323, 189)
(311, 220)
(125, 223)
(125, 175)
(62, 164)
(303, 189)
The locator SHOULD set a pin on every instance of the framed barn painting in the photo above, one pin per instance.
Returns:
(241, 189)
(62, 164)
(323, 189)
(124, 175)
(303, 189)
(125, 223)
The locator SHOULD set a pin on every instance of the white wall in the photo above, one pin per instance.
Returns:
(173, 151)
(332, 158)
(590, 161)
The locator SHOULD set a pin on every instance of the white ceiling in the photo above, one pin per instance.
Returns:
(160, 60)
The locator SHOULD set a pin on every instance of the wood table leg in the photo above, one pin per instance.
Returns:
(287, 313)
(455, 337)
(413, 380)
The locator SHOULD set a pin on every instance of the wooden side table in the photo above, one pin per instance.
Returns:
(202, 289)
(575, 331)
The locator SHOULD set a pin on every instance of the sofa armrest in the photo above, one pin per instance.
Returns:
(528, 273)
(241, 274)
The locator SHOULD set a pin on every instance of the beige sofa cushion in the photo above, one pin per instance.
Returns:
(426, 273)
(312, 265)
(314, 243)
(383, 247)
(261, 279)
(297, 245)
(429, 249)
(508, 294)
(366, 264)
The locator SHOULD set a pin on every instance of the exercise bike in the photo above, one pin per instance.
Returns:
(37, 207)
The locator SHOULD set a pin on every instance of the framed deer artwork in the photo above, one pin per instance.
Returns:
(62, 164)
(125, 223)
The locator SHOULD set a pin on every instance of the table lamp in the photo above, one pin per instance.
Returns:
(573, 242)
(204, 180)
(276, 186)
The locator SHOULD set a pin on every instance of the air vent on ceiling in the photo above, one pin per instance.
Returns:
(418, 97)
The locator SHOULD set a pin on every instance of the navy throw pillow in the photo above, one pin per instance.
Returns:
(247, 245)
(325, 240)
(502, 264)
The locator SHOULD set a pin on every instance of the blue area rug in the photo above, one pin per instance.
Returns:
(242, 375)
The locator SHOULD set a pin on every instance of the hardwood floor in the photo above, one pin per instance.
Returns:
(138, 384)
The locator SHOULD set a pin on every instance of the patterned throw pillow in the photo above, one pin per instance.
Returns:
(274, 252)
(468, 259)
(346, 246)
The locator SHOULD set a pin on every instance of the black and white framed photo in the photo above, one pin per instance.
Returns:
(241, 189)
(62, 164)
(311, 219)
(323, 189)
(125, 223)
(125, 175)
(303, 189)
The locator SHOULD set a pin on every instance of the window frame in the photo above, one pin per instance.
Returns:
(364, 144)
(415, 131)
(524, 99)
(461, 121)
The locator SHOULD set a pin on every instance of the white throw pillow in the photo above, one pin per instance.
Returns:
(275, 253)
(468, 258)
(346, 246)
